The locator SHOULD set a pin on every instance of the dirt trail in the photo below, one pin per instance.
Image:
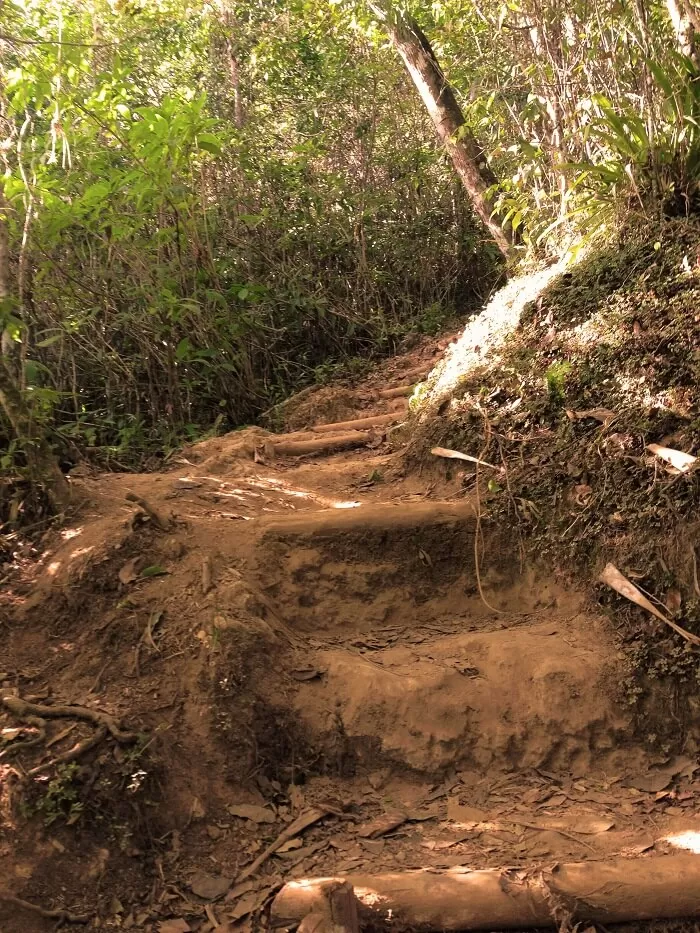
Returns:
(309, 632)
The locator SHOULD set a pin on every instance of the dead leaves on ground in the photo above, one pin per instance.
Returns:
(618, 582)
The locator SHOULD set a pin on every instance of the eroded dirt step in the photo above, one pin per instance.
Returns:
(416, 666)
(537, 695)
(362, 566)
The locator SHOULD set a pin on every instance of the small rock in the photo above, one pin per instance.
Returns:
(248, 811)
(209, 887)
(214, 832)
(198, 810)
(172, 548)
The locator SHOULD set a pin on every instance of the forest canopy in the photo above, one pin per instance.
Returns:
(207, 205)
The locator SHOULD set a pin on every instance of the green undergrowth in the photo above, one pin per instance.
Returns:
(619, 331)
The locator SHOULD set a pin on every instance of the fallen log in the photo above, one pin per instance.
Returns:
(614, 891)
(397, 391)
(359, 424)
(339, 914)
(321, 445)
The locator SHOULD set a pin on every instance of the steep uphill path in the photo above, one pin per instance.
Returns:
(294, 638)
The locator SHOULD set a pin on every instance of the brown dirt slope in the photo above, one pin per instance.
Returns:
(301, 649)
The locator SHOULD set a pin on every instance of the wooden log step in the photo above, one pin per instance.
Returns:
(321, 445)
(368, 517)
(415, 375)
(397, 391)
(359, 424)
(618, 890)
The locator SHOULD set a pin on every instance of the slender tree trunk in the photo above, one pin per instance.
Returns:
(234, 72)
(467, 155)
(43, 466)
(549, 51)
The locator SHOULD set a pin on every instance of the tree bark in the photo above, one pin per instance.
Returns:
(441, 103)
(686, 23)
(43, 466)
(610, 891)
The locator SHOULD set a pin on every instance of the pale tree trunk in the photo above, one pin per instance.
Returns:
(548, 50)
(235, 74)
(441, 103)
(41, 462)
(228, 24)
(685, 19)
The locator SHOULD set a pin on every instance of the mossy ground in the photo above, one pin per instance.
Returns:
(619, 330)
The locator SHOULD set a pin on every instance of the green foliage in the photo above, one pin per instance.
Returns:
(188, 261)
(60, 799)
(209, 208)
(555, 377)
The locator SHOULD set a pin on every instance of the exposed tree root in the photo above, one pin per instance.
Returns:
(73, 753)
(326, 444)
(36, 715)
(613, 890)
(398, 391)
(23, 709)
(58, 913)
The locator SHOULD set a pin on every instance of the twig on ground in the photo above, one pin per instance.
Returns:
(147, 639)
(206, 575)
(477, 530)
(696, 585)
(302, 822)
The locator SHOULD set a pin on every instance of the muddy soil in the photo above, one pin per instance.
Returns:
(290, 633)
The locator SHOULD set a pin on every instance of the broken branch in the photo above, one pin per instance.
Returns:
(150, 510)
(302, 822)
(618, 582)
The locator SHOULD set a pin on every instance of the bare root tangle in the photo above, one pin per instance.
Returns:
(35, 715)
(79, 749)
(58, 913)
(23, 709)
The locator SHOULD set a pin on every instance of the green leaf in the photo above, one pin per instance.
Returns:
(209, 143)
(155, 570)
(49, 341)
(182, 351)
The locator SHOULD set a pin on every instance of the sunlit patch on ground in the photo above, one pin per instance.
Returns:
(487, 330)
(688, 840)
